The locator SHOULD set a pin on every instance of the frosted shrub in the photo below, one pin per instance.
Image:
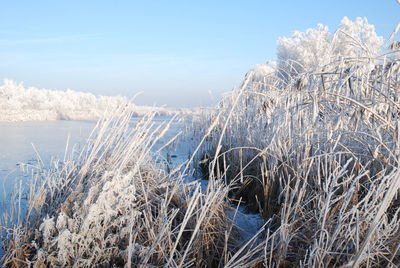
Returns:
(257, 78)
(357, 39)
(305, 51)
(312, 50)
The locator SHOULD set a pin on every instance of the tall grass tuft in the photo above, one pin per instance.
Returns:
(317, 154)
(111, 204)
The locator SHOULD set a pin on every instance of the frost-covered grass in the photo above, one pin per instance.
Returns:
(316, 152)
(320, 163)
(18, 103)
(112, 204)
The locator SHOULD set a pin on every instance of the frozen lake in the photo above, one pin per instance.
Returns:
(19, 140)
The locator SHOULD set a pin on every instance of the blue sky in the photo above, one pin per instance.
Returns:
(179, 53)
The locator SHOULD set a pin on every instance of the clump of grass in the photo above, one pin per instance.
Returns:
(111, 205)
(317, 155)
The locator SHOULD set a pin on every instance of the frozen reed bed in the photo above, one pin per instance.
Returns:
(110, 204)
(316, 153)
(311, 143)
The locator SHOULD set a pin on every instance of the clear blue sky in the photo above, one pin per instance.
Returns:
(177, 52)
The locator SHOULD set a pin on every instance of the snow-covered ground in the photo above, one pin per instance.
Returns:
(20, 103)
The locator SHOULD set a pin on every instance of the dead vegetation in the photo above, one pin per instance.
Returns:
(319, 162)
(112, 206)
(315, 152)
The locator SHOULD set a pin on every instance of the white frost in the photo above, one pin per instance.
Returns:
(20, 103)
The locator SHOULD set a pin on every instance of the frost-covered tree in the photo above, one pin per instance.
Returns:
(313, 49)
(304, 50)
(257, 77)
(20, 103)
(356, 39)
